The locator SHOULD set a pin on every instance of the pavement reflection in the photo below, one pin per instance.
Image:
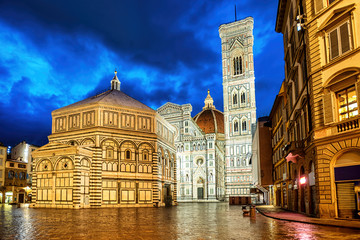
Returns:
(186, 221)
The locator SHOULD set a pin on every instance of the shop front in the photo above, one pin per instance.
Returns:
(347, 185)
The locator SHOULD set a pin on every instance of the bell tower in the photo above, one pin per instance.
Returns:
(239, 103)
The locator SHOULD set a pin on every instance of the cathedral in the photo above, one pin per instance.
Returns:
(214, 149)
(108, 150)
(111, 150)
(199, 143)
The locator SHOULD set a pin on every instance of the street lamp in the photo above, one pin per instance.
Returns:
(302, 180)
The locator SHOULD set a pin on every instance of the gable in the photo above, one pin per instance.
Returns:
(169, 108)
(335, 16)
(238, 42)
(54, 148)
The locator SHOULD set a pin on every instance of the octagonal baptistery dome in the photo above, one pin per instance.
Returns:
(210, 120)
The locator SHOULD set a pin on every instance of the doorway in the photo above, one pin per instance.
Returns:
(21, 198)
(8, 197)
(278, 197)
(200, 191)
(167, 195)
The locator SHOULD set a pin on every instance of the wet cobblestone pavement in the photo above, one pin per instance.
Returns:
(186, 221)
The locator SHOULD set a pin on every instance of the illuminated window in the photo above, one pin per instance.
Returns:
(347, 102)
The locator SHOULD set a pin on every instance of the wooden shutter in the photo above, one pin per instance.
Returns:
(346, 199)
(318, 5)
(328, 108)
(344, 36)
(334, 44)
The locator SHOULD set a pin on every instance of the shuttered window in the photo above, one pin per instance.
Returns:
(339, 40)
(344, 34)
(334, 44)
(328, 108)
(318, 5)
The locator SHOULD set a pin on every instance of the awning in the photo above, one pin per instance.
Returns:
(292, 158)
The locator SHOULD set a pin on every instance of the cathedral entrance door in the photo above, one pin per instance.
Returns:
(200, 193)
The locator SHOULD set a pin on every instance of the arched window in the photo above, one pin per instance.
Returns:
(235, 66)
(236, 126)
(11, 174)
(127, 154)
(238, 68)
(104, 166)
(242, 98)
(235, 99)
(243, 126)
(145, 155)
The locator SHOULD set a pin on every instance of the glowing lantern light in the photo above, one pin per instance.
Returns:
(302, 180)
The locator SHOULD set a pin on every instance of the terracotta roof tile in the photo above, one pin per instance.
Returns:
(111, 97)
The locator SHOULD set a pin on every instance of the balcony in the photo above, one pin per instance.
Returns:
(295, 147)
(348, 125)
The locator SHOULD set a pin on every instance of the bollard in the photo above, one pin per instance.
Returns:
(252, 211)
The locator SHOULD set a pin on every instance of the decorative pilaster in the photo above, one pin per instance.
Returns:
(76, 182)
(95, 178)
(155, 184)
(33, 190)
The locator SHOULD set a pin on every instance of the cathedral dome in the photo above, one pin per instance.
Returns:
(210, 120)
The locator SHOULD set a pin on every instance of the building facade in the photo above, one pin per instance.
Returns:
(239, 104)
(282, 169)
(108, 150)
(262, 162)
(334, 72)
(200, 151)
(22, 152)
(16, 189)
(3, 157)
(321, 45)
(295, 157)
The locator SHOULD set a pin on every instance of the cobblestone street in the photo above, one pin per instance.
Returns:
(186, 221)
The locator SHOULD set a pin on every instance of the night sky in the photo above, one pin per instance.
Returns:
(54, 53)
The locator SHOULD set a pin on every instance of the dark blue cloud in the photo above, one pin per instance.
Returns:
(55, 53)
